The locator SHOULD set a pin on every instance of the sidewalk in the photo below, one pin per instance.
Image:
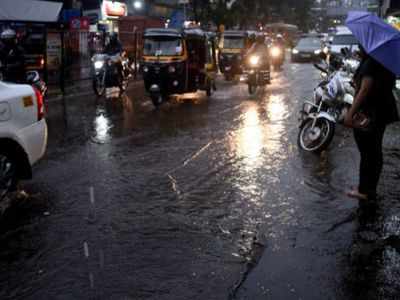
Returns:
(78, 81)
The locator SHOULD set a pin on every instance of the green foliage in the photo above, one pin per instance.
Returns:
(245, 13)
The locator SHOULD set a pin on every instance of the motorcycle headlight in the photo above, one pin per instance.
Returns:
(326, 50)
(145, 69)
(275, 52)
(171, 69)
(254, 60)
(317, 52)
(98, 64)
(295, 51)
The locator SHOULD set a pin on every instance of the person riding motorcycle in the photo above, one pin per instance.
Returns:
(12, 58)
(114, 48)
(279, 41)
(261, 49)
(278, 51)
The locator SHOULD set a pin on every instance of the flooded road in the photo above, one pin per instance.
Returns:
(203, 199)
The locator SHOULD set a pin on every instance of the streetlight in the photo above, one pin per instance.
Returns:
(138, 5)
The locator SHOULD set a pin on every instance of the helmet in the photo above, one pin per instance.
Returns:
(8, 34)
(279, 36)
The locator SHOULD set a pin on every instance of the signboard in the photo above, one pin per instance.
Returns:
(114, 9)
(79, 23)
(53, 51)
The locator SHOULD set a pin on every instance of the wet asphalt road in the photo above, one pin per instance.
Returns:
(203, 199)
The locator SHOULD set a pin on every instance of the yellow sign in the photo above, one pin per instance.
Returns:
(28, 101)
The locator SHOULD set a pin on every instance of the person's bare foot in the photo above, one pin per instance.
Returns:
(354, 193)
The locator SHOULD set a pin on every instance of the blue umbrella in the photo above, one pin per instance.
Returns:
(379, 39)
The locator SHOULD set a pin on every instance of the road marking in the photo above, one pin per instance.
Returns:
(91, 280)
(197, 154)
(101, 258)
(91, 191)
(86, 249)
(174, 184)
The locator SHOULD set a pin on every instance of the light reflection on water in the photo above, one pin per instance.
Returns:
(102, 128)
(259, 144)
(250, 140)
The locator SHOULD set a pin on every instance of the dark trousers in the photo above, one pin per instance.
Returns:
(369, 143)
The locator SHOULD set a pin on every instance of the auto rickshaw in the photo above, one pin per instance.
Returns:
(233, 46)
(178, 62)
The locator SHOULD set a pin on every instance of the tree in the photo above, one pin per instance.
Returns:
(247, 14)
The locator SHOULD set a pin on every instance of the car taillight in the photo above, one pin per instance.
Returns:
(40, 104)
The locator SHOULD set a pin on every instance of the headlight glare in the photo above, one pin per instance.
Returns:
(98, 64)
(254, 60)
(275, 51)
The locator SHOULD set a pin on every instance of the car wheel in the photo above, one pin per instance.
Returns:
(8, 174)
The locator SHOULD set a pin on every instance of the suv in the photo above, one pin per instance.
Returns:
(23, 133)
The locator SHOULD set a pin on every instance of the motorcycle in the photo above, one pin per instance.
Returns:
(277, 55)
(333, 98)
(32, 78)
(110, 71)
(256, 76)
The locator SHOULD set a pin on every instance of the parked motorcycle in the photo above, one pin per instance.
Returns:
(256, 75)
(332, 99)
(110, 71)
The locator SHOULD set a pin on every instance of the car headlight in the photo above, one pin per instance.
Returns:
(295, 51)
(171, 69)
(98, 64)
(145, 69)
(275, 51)
(254, 60)
(317, 52)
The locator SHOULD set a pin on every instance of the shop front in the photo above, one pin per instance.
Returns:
(111, 12)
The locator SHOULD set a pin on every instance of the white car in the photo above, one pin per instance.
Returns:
(343, 40)
(23, 133)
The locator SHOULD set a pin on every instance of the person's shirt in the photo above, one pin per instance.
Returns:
(380, 102)
(113, 48)
(259, 49)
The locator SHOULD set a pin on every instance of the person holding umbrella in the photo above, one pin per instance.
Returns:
(374, 105)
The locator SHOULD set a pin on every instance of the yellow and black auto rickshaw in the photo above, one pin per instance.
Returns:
(178, 62)
(233, 46)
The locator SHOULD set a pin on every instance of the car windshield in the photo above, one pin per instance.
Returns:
(310, 42)
(344, 39)
(162, 46)
(231, 42)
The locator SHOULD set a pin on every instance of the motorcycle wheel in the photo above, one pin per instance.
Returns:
(8, 174)
(209, 88)
(318, 138)
(252, 88)
(98, 85)
(157, 100)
